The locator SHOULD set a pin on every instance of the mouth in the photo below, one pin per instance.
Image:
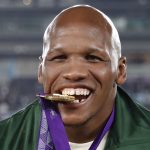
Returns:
(80, 94)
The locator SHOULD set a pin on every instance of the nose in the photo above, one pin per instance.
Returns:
(75, 72)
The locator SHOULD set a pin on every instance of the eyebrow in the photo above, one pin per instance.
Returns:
(56, 49)
(97, 50)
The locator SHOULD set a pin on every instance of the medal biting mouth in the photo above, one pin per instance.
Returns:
(80, 94)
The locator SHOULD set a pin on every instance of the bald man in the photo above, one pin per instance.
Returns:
(81, 58)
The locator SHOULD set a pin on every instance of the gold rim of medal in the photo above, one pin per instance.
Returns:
(58, 97)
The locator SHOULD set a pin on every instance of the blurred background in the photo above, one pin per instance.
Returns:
(22, 24)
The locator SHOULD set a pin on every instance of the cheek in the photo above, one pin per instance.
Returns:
(50, 74)
(103, 74)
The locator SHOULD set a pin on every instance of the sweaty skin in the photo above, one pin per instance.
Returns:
(83, 52)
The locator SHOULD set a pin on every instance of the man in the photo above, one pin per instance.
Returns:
(81, 57)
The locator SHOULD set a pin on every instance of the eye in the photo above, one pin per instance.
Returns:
(93, 58)
(58, 58)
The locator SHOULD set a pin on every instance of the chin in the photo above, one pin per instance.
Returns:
(74, 121)
(74, 124)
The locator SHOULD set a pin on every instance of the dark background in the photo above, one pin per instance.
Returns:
(22, 24)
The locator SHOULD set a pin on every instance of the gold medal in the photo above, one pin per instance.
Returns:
(58, 97)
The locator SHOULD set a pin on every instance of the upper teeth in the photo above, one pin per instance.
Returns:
(77, 91)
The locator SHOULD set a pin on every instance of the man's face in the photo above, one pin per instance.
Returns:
(78, 62)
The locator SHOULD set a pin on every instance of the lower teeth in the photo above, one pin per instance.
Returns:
(78, 101)
(82, 100)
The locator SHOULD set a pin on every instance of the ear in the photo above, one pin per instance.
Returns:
(122, 73)
(40, 75)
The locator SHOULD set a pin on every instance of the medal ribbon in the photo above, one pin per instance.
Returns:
(55, 126)
(100, 136)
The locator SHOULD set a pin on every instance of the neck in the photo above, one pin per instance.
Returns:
(81, 134)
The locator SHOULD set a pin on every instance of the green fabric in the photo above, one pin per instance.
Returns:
(131, 128)
(130, 131)
(20, 132)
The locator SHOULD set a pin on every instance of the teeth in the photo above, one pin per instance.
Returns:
(76, 101)
(82, 100)
(72, 92)
(68, 91)
(77, 91)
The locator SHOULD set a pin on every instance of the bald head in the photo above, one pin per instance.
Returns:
(84, 15)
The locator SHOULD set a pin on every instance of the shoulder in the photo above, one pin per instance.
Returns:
(134, 113)
(28, 117)
(131, 107)
(31, 109)
(23, 125)
(131, 127)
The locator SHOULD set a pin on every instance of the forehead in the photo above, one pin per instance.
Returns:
(78, 29)
(77, 37)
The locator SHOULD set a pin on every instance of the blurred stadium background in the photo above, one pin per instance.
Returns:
(22, 24)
